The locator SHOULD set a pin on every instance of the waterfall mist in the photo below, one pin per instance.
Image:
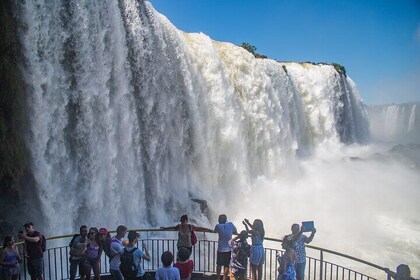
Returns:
(132, 121)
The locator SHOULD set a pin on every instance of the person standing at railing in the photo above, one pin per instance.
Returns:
(132, 257)
(94, 253)
(225, 230)
(10, 259)
(78, 252)
(184, 233)
(403, 273)
(34, 251)
(116, 249)
(286, 268)
(256, 257)
(299, 241)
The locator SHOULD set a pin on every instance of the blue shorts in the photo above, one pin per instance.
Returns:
(300, 270)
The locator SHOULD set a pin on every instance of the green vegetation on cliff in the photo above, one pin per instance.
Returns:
(252, 49)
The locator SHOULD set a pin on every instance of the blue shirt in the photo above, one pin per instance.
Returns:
(137, 256)
(225, 232)
(167, 273)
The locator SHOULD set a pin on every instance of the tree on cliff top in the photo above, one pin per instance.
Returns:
(248, 47)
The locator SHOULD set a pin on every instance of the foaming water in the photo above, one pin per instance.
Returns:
(363, 199)
(133, 121)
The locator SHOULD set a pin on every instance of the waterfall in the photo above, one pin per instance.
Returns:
(133, 120)
(395, 123)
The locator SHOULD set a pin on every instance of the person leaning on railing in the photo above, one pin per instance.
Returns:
(184, 232)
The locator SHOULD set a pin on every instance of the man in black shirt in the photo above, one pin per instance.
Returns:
(34, 252)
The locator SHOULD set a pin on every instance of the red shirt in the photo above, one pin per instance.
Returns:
(34, 249)
(185, 268)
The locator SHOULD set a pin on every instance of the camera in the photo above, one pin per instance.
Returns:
(20, 231)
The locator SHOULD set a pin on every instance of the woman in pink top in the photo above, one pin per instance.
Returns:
(184, 265)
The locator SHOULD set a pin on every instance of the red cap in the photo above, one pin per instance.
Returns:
(103, 231)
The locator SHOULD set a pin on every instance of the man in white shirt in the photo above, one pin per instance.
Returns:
(116, 249)
(225, 230)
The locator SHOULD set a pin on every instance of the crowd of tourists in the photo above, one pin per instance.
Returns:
(126, 257)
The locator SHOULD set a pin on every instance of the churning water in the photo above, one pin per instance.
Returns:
(134, 121)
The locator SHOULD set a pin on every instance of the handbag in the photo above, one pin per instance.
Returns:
(193, 237)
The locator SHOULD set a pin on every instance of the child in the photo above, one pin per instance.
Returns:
(288, 260)
(167, 272)
(240, 254)
(184, 265)
(256, 258)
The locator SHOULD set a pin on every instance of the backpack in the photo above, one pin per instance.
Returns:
(107, 248)
(73, 238)
(193, 237)
(43, 243)
(128, 267)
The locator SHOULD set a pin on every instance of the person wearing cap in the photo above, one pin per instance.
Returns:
(34, 252)
(116, 249)
(138, 254)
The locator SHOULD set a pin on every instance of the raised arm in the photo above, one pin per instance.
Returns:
(30, 239)
(309, 239)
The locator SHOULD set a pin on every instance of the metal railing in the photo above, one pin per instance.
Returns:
(56, 260)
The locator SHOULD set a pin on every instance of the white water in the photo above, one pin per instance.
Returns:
(395, 123)
(132, 118)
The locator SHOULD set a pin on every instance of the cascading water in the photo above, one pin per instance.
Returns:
(129, 114)
(395, 123)
(132, 121)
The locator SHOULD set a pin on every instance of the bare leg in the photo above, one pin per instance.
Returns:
(254, 271)
(260, 271)
(225, 272)
(218, 270)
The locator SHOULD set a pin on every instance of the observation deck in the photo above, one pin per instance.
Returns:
(321, 263)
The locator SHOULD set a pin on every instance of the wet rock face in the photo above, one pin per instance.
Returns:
(13, 152)
(203, 206)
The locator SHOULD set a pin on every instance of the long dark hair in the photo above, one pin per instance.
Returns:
(259, 226)
(183, 218)
(6, 240)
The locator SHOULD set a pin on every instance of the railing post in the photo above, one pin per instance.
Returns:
(321, 264)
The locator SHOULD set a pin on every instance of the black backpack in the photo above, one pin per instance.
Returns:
(43, 243)
(43, 240)
(128, 267)
(73, 238)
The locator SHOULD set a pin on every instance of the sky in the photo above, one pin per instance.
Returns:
(377, 41)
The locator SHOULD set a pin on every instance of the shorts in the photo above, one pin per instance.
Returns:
(223, 258)
(36, 267)
(300, 270)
